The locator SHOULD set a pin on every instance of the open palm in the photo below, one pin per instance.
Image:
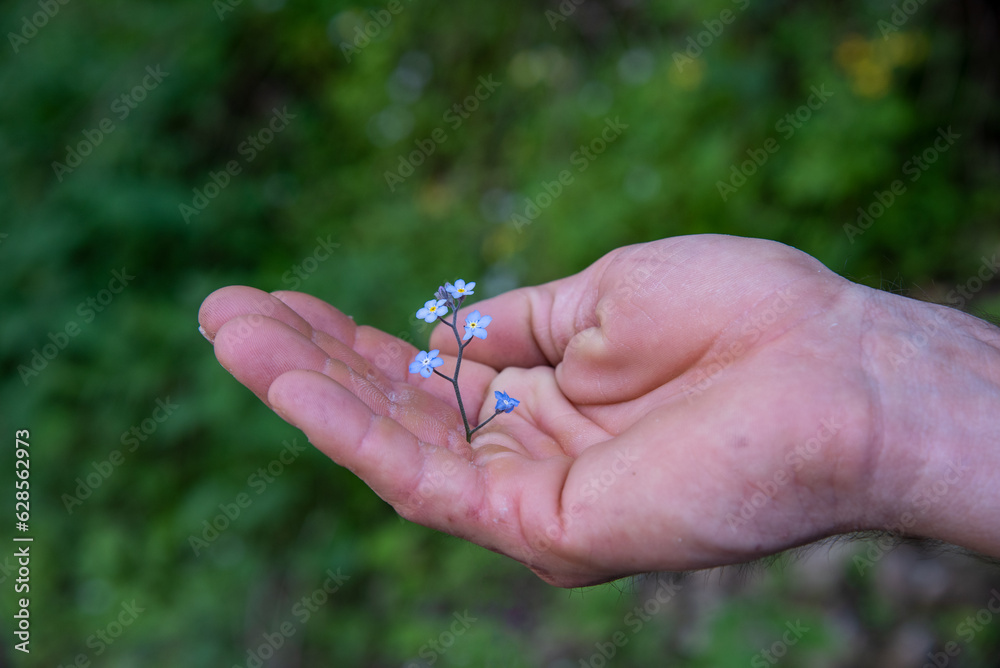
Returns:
(686, 403)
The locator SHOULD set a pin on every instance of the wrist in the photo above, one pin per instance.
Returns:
(935, 445)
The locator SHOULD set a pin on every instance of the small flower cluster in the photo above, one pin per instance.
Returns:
(449, 298)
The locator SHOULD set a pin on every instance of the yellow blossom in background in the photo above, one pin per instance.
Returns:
(687, 76)
(436, 199)
(869, 64)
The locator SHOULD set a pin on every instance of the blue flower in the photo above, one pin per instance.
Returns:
(505, 402)
(432, 310)
(460, 289)
(475, 325)
(426, 362)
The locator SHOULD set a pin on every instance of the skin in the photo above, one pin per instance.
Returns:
(687, 403)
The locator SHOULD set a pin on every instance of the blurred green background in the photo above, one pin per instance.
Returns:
(318, 146)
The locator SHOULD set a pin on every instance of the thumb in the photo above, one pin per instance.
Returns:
(529, 327)
(602, 329)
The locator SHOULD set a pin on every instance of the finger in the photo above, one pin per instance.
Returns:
(645, 324)
(531, 326)
(391, 355)
(256, 350)
(544, 424)
(273, 348)
(419, 479)
(376, 356)
(307, 315)
(386, 359)
(667, 306)
(642, 314)
(257, 354)
(227, 303)
(488, 496)
(319, 314)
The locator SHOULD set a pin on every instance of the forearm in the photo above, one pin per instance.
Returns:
(936, 422)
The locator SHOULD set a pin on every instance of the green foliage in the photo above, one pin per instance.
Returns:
(321, 180)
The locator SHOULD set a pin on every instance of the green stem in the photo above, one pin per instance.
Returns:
(454, 381)
(485, 422)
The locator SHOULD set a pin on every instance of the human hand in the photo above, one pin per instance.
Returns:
(687, 403)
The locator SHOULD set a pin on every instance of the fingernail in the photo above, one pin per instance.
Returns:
(205, 334)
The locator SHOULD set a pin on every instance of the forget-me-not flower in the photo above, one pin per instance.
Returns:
(505, 402)
(475, 325)
(448, 298)
(432, 310)
(426, 362)
(460, 289)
